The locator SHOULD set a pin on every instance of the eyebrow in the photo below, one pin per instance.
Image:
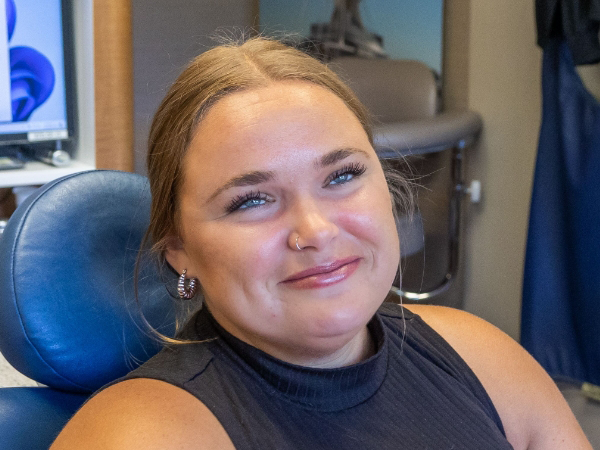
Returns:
(257, 177)
(246, 179)
(335, 156)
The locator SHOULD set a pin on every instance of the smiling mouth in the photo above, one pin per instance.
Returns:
(324, 275)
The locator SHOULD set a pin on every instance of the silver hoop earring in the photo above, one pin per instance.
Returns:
(297, 245)
(186, 292)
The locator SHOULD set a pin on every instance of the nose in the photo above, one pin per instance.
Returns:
(312, 226)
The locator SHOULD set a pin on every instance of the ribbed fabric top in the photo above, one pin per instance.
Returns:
(324, 390)
(414, 393)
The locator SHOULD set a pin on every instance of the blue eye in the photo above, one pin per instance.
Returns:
(345, 174)
(251, 203)
(247, 201)
(343, 178)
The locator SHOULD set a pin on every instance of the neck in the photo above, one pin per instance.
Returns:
(361, 347)
(357, 349)
(345, 353)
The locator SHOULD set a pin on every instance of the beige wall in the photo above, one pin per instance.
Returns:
(501, 81)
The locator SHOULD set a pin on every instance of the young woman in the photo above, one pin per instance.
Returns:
(269, 197)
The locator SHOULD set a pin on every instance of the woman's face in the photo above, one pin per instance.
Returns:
(268, 165)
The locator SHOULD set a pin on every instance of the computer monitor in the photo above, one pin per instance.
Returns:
(36, 72)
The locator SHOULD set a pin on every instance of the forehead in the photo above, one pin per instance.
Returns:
(278, 118)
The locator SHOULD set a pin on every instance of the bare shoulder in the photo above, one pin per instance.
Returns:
(143, 414)
(533, 411)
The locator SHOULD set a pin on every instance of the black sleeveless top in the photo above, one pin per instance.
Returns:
(416, 392)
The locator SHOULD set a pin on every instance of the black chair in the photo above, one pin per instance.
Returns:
(403, 97)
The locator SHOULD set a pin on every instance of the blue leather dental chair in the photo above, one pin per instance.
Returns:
(68, 314)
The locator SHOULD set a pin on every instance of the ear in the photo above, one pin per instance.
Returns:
(175, 254)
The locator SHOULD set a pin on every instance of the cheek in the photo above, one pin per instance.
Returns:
(370, 218)
(235, 257)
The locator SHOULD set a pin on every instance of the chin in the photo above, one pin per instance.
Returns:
(345, 320)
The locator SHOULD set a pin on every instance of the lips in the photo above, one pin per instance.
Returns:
(324, 275)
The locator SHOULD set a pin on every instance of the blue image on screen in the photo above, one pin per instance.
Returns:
(38, 97)
(32, 76)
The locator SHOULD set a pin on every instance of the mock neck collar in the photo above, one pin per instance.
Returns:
(320, 389)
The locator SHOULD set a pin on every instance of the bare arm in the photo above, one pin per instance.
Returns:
(534, 413)
(143, 414)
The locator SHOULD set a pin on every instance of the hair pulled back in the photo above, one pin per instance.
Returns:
(209, 77)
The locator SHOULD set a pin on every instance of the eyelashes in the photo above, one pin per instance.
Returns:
(254, 199)
(247, 200)
(345, 174)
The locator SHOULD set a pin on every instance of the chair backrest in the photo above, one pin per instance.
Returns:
(68, 313)
(393, 90)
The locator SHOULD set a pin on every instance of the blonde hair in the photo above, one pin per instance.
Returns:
(209, 77)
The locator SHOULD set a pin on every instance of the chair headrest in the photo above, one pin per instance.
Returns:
(68, 314)
(393, 90)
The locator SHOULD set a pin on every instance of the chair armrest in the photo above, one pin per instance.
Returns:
(446, 130)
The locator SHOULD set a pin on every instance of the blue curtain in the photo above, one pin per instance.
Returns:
(561, 290)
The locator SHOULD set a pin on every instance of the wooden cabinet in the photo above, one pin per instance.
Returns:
(113, 73)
